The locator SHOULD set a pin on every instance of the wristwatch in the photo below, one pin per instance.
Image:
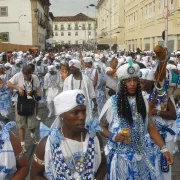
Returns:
(158, 113)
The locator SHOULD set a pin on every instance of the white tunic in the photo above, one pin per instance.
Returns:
(7, 157)
(75, 148)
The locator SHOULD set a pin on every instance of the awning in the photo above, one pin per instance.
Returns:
(109, 41)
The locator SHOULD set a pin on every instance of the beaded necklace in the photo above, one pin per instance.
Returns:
(160, 98)
(137, 133)
(62, 169)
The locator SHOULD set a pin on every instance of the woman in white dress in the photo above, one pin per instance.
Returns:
(72, 150)
(13, 162)
(126, 125)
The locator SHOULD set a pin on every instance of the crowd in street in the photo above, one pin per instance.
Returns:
(117, 114)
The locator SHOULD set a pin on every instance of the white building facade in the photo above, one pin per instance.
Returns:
(133, 24)
(110, 18)
(25, 22)
(74, 30)
(16, 21)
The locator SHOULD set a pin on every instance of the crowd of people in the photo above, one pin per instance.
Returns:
(117, 114)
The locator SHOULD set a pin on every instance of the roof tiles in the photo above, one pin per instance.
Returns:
(78, 17)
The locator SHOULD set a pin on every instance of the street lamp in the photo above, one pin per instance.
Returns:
(110, 12)
(19, 19)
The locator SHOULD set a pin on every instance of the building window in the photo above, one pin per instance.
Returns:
(69, 33)
(76, 33)
(83, 26)
(89, 33)
(62, 27)
(56, 34)
(3, 11)
(89, 26)
(62, 42)
(76, 42)
(4, 36)
(69, 42)
(69, 26)
(171, 6)
(161, 6)
(76, 26)
(62, 33)
(56, 27)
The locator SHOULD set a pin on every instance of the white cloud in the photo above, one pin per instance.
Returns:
(72, 7)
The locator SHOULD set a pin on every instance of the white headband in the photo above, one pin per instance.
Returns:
(68, 100)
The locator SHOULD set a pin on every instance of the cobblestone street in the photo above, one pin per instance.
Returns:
(43, 113)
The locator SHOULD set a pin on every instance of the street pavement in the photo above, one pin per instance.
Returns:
(43, 113)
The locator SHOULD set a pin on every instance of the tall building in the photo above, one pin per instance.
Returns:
(110, 18)
(145, 24)
(74, 30)
(139, 23)
(25, 22)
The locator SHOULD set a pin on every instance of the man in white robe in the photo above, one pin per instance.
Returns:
(52, 87)
(77, 80)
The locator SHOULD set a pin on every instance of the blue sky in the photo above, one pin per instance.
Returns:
(72, 7)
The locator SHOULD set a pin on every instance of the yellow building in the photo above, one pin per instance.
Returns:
(110, 20)
(143, 23)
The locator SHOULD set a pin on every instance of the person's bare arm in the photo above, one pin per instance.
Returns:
(12, 86)
(170, 114)
(111, 72)
(154, 133)
(39, 91)
(95, 79)
(22, 163)
(37, 170)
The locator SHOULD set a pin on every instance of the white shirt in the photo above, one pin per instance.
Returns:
(18, 79)
(111, 82)
(76, 85)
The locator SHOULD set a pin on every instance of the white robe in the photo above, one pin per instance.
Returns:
(86, 85)
(75, 147)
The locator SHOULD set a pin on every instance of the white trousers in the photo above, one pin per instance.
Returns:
(50, 106)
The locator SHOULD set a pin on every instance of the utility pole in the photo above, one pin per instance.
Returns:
(166, 23)
(110, 13)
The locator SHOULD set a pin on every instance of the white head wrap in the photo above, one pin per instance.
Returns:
(178, 67)
(45, 59)
(38, 59)
(121, 61)
(171, 67)
(172, 59)
(17, 61)
(127, 71)
(51, 68)
(138, 58)
(68, 100)
(147, 74)
(96, 57)
(76, 63)
(88, 59)
(8, 65)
